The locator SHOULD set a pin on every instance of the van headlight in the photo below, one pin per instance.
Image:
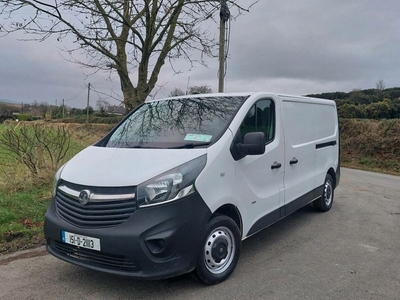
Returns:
(172, 185)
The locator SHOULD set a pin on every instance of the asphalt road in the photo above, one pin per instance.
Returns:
(351, 252)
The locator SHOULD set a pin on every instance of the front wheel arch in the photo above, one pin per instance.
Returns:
(232, 212)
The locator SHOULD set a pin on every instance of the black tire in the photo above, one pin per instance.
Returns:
(220, 251)
(324, 203)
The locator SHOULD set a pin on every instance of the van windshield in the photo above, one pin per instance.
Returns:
(176, 123)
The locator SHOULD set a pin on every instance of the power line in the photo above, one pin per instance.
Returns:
(76, 95)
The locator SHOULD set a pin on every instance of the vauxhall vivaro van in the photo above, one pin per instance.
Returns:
(180, 182)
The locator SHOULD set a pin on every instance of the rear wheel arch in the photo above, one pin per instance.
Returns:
(324, 203)
(332, 172)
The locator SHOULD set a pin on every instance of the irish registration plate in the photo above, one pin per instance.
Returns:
(80, 240)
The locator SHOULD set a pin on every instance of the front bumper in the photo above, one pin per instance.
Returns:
(154, 243)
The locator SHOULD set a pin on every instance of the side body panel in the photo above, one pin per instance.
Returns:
(306, 130)
(311, 148)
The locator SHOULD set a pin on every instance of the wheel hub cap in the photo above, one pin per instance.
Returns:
(219, 250)
(328, 193)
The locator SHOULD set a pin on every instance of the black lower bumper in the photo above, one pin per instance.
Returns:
(154, 243)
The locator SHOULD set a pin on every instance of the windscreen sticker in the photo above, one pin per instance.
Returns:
(198, 137)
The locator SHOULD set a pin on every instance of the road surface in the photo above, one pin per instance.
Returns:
(351, 252)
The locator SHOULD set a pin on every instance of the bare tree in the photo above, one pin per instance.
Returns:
(102, 105)
(43, 108)
(380, 85)
(122, 35)
(5, 112)
(201, 89)
(176, 92)
(36, 146)
(380, 88)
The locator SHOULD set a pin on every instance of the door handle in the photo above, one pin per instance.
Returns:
(276, 165)
(294, 161)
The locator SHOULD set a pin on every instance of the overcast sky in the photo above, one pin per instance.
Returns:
(291, 46)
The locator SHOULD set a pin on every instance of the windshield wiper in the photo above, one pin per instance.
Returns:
(145, 147)
(190, 145)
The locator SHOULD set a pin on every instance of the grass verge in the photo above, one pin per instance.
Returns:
(21, 219)
(24, 198)
(371, 145)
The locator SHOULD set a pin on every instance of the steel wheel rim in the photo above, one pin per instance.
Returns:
(220, 242)
(328, 193)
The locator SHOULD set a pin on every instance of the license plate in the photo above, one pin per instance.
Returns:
(80, 240)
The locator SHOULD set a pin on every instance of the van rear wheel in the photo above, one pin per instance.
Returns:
(325, 202)
(220, 252)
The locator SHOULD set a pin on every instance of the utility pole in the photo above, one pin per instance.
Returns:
(63, 109)
(187, 87)
(87, 105)
(224, 15)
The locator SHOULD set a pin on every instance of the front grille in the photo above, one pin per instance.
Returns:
(94, 258)
(107, 213)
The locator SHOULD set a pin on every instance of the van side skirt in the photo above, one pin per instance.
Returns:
(285, 210)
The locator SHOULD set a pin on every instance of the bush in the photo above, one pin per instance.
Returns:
(4, 118)
(349, 111)
(23, 117)
(37, 147)
(379, 110)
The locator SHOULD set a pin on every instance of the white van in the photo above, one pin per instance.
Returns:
(180, 182)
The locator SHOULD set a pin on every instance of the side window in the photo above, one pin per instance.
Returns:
(261, 117)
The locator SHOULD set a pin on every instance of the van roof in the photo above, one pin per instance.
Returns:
(212, 95)
(236, 94)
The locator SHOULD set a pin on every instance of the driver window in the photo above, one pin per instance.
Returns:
(260, 118)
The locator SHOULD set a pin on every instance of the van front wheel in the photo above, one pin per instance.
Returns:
(325, 202)
(220, 252)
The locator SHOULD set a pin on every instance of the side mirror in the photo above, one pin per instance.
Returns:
(253, 144)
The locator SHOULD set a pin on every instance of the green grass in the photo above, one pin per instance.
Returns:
(22, 205)
(21, 219)
(4, 156)
(24, 199)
